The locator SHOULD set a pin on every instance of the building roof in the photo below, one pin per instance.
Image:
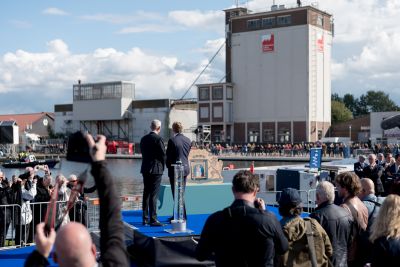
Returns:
(25, 119)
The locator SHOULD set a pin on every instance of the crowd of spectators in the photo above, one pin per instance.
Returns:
(24, 199)
(332, 150)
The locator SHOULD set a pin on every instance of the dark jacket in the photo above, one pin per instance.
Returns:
(178, 149)
(337, 223)
(375, 174)
(386, 252)
(153, 154)
(112, 244)
(39, 210)
(359, 168)
(241, 235)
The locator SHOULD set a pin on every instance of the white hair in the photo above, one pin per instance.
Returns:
(326, 191)
(155, 124)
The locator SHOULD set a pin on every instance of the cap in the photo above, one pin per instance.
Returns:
(289, 196)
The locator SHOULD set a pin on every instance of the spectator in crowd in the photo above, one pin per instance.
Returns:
(78, 212)
(44, 189)
(385, 234)
(73, 245)
(374, 172)
(153, 161)
(359, 166)
(335, 220)
(380, 160)
(178, 150)
(301, 233)
(63, 196)
(373, 204)
(23, 190)
(243, 234)
(5, 212)
(348, 186)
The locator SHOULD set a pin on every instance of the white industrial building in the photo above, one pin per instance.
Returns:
(110, 109)
(278, 77)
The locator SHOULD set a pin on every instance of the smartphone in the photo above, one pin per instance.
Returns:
(78, 148)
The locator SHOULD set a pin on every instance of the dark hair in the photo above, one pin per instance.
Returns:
(349, 181)
(290, 210)
(245, 182)
(396, 156)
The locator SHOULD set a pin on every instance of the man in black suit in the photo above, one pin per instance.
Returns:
(153, 161)
(359, 166)
(178, 150)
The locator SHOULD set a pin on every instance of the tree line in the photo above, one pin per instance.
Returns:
(348, 107)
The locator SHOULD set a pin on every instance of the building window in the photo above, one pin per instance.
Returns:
(283, 135)
(217, 112)
(204, 113)
(217, 93)
(253, 136)
(253, 24)
(269, 135)
(284, 20)
(268, 22)
(204, 93)
(320, 20)
(229, 93)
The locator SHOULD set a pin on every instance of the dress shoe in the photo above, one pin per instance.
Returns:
(170, 218)
(156, 223)
(145, 222)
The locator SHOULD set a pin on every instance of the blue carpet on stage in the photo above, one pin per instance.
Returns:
(194, 222)
(16, 257)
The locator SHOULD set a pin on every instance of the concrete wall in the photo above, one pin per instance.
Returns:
(142, 119)
(102, 109)
(273, 85)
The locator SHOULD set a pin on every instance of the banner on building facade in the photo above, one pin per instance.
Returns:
(320, 42)
(395, 132)
(267, 42)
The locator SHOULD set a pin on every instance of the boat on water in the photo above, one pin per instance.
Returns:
(31, 161)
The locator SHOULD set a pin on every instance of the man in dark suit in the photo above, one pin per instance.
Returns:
(178, 150)
(153, 161)
(359, 166)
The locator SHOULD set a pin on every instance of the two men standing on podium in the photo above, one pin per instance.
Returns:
(153, 161)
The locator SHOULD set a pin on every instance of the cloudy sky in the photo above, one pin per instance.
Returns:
(47, 45)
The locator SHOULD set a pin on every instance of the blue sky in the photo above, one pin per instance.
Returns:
(46, 46)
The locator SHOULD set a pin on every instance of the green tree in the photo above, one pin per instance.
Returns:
(340, 112)
(336, 97)
(378, 101)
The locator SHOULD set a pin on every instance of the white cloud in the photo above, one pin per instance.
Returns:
(54, 11)
(205, 20)
(158, 28)
(55, 70)
(138, 16)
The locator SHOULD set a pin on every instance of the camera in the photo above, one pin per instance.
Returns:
(78, 148)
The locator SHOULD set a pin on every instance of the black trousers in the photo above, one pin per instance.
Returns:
(150, 194)
(5, 220)
(22, 233)
(172, 183)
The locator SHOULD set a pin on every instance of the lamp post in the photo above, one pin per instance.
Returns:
(350, 132)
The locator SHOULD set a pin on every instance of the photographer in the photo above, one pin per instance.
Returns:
(78, 212)
(44, 189)
(243, 234)
(73, 244)
(23, 190)
(5, 212)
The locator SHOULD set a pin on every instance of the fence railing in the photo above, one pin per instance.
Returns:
(18, 223)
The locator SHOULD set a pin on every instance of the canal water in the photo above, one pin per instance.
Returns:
(126, 172)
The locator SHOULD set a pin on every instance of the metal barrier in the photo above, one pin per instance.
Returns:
(307, 196)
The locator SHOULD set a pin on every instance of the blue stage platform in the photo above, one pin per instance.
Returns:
(195, 222)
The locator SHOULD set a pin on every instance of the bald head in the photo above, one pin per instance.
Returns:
(367, 187)
(74, 246)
